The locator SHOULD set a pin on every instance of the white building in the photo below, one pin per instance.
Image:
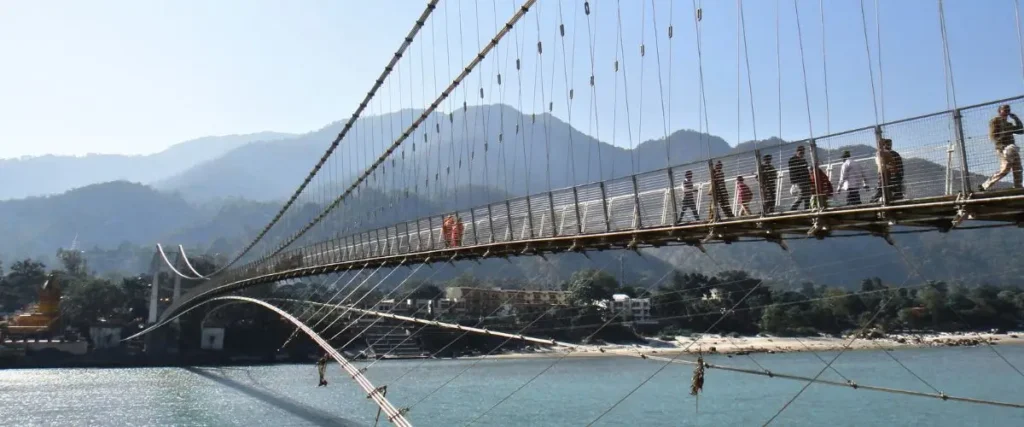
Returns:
(386, 305)
(105, 336)
(714, 295)
(630, 309)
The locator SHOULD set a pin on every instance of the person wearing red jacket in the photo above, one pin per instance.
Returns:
(822, 189)
(745, 196)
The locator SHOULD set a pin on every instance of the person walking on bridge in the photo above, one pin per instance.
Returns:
(822, 189)
(457, 231)
(744, 196)
(890, 164)
(800, 176)
(851, 179)
(689, 199)
(720, 192)
(769, 184)
(447, 229)
(1001, 132)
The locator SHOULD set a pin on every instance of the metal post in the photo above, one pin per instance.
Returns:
(576, 208)
(529, 216)
(965, 177)
(713, 208)
(672, 195)
(508, 217)
(883, 174)
(430, 232)
(472, 220)
(419, 241)
(177, 281)
(490, 222)
(760, 180)
(604, 208)
(551, 211)
(637, 215)
(154, 291)
(816, 196)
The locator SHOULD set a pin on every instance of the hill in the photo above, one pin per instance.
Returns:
(117, 224)
(46, 175)
(517, 164)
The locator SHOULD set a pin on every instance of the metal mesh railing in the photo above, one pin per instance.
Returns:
(936, 162)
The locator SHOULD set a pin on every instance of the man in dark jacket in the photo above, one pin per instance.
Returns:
(800, 175)
(721, 193)
(769, 184)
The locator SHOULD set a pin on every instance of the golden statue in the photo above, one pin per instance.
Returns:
(38, 318)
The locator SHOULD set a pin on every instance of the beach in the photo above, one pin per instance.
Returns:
(721, 344)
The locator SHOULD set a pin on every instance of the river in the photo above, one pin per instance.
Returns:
(573, 392)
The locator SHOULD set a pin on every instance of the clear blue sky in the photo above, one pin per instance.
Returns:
(136, 77)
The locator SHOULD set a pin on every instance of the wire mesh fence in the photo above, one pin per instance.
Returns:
(938, 155)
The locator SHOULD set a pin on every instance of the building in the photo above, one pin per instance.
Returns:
(485, 301)
(629, 309)
(385, 305)
(105, 336)
(714, 295)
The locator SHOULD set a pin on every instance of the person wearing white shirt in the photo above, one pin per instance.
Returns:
(851, 179)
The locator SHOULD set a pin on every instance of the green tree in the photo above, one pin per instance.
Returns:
(92, 300)
(21, 285)
(588, 286)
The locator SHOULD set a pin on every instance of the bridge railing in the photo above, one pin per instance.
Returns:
(944, 154)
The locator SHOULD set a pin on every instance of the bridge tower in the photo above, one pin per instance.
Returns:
(164, 340)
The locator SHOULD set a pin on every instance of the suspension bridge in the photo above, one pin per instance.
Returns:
(920, 174)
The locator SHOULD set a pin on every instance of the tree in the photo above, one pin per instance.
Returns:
(588, 286)
(21, 284)
(422, 291)
(465, 280)
(74, 263)
(92, 300)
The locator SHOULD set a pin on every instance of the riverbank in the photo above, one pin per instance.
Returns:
(718, 344)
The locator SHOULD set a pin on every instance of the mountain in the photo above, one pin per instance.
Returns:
(491, 146)
(100, 214)
(49, 174)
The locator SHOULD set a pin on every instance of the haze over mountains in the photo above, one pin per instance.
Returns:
(50, 174)
(213, 194)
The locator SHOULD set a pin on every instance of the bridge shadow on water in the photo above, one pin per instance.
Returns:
(296, 408)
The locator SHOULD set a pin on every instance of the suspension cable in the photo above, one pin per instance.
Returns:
(823, 369)
(803, 67)
(871, 68)
(431, 5)
(750, 85)
(945, 52)
(824, 70)
(881, 74)
(426, 113)
(1020, 42)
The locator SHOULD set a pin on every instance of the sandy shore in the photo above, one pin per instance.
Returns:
(765, 344)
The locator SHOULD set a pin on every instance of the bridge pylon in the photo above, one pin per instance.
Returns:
(164, 340)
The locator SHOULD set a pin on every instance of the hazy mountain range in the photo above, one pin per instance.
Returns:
(50, 174)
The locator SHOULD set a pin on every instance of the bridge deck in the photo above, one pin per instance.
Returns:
(945, 156)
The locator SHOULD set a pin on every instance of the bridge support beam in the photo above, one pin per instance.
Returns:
(958, 129)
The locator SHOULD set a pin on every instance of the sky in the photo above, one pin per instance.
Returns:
(128, 77)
